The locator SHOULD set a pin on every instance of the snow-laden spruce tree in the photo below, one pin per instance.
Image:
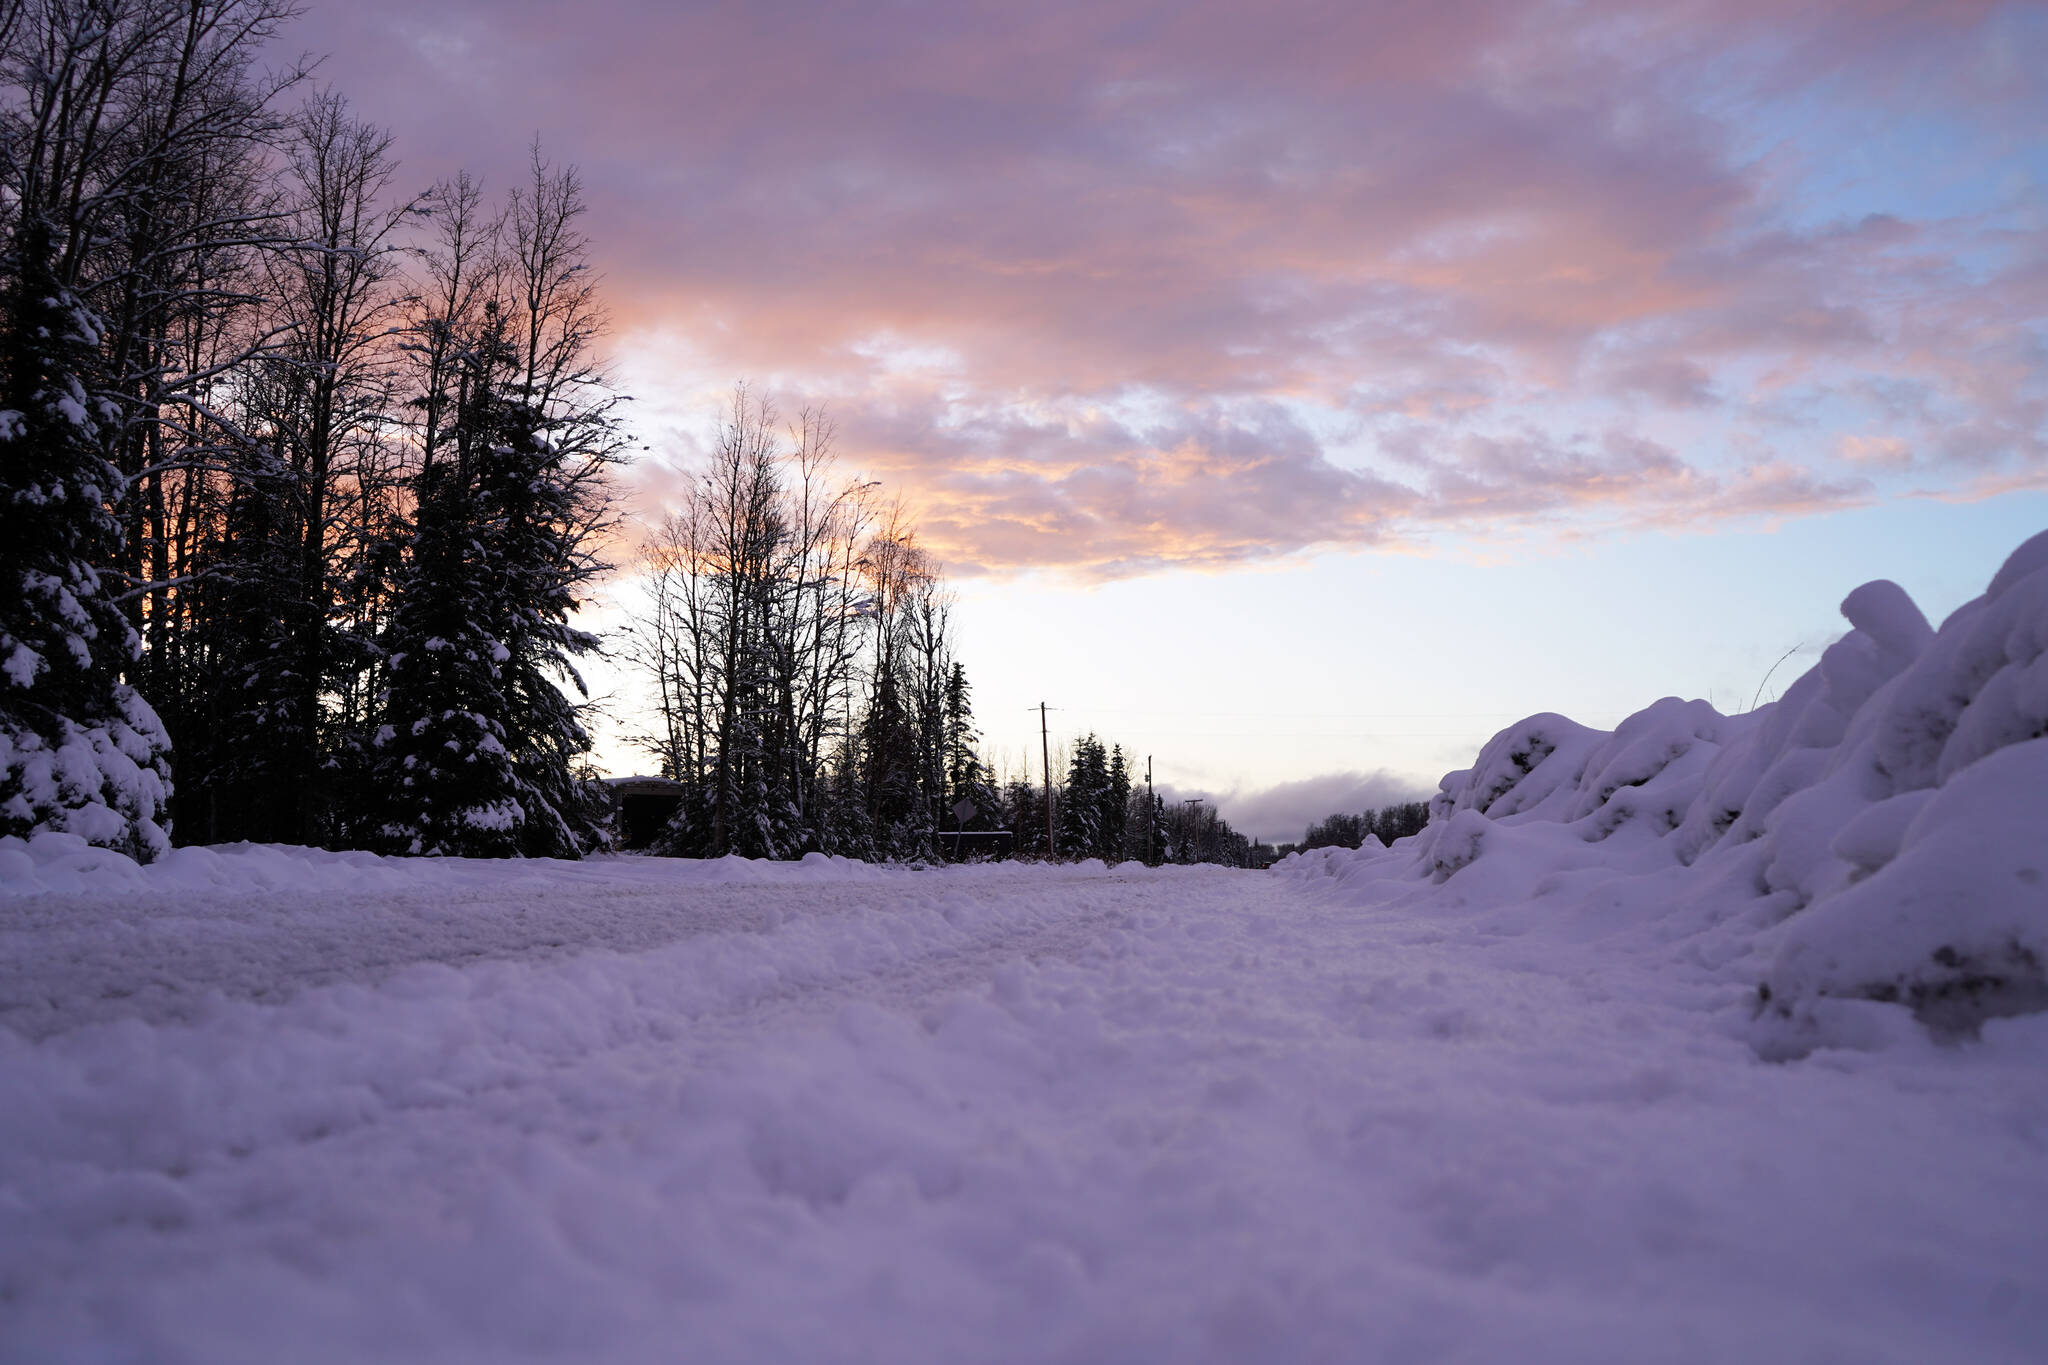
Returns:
(477, 750)
(967, 777)
(1084, 800)
(80, 752)
(440, 766)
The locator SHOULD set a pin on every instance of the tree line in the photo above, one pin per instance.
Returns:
(1102, 809)
(301, 476)
(798, 642)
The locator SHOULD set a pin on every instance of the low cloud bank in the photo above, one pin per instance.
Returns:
(1280, 814)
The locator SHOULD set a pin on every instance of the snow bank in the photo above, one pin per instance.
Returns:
(1877, 834)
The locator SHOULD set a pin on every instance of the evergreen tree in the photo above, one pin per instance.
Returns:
(1024, 816)
(1116, 803)
(477, 752)
(441, 763)
(966, 777)
(79, 750)
(1082, 805)
(538, 524)
(843, 825)
(902, 822)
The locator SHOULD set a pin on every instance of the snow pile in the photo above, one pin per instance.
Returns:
(1877, 834)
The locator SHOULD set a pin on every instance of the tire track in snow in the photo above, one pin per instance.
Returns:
(68, 960)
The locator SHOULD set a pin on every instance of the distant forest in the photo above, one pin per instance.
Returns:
(1103, 810)
(1386, 823)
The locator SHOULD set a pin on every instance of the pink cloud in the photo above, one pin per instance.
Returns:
(1389, 268)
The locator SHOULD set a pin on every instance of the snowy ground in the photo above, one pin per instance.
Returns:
(645, 1110)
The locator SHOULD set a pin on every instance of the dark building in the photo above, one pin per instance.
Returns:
(645, 806)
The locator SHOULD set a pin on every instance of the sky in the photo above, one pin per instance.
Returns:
(1297, 392)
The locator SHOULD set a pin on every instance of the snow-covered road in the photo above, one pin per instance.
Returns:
(267, 1106)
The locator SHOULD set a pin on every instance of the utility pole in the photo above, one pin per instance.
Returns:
(1194, 805)
(1150, 823)
(1045, 753)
